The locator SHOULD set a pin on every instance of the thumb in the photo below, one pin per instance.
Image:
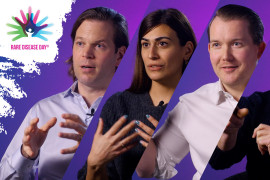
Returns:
(241, 113)
(49, 124)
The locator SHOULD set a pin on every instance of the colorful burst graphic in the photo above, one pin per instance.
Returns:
(29, 27)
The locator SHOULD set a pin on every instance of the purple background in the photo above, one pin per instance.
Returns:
(259, 81)
(198, 73)
(54, 77)
(199, 16)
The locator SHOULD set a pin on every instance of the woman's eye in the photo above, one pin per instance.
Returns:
(145, 44)
(163, 43)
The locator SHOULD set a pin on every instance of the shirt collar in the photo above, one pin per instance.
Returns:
(222, 94)
(72, 90)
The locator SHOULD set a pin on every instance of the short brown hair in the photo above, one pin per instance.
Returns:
(102, 14)
(232, 11)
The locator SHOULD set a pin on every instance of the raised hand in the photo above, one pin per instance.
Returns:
(110, 145)
(34, 137)
(262, 135)
(73, 121)
(147, 132)
(229, 136)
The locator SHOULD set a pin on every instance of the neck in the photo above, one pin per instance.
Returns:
(90, 94)
(161, 92)
(236, 91)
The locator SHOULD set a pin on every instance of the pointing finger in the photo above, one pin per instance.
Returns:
(152, 120)
(241, 113)
(117, 125)
(49, 124)
(73, 117)
(100, 127)
(69, 150)
(73, 125)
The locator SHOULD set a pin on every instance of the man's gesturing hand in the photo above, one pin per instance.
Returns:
(229, 136)
(73, 121)
(262, 135)
(34, 137)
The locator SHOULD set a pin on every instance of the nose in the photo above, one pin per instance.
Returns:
(153, 53)
(88, 52)
(227, 54)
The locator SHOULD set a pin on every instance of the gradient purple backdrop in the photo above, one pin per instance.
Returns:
(259, 82)
(199, 71)
(54, 77)
(199, 16)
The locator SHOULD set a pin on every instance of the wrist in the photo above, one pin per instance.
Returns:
(33, 156)
(227, 141)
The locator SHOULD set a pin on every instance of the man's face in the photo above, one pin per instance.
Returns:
(94, 57)
(232, 51)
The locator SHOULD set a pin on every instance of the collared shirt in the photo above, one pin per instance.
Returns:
(51, 163)
(194, 125)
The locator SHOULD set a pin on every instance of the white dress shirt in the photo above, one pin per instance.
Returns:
(51, 164)
(195, 124)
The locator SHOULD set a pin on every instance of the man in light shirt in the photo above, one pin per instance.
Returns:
(197, 122)
(53, 128)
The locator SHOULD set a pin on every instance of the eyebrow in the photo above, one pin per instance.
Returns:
(158, 39)
(97, 41)
(236, 39)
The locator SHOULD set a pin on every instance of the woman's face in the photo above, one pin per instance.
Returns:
(162, 54)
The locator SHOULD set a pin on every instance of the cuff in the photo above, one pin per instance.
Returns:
(164, 170)
(21, 164)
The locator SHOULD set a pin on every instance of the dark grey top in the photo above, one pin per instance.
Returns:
(136, 106)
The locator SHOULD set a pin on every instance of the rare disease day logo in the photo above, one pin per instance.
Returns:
(29, 27)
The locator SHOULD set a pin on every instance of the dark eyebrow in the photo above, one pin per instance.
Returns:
(95, 42)
(158, 39)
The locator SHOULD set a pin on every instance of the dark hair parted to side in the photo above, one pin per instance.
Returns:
(176, 21)
(102, 14)
(232, 12)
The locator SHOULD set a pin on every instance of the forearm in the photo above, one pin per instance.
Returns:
(227, 141)
(147, 164)
(16, 166)
(96, 173)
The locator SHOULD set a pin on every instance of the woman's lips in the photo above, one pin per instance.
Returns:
(155, 67)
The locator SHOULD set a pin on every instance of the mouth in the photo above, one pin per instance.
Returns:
(87, 67)
(155, 67)
(229, 68)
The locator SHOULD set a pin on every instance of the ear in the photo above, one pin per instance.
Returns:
(189, 48)
(208, 47)
(262, 46)
(120, 54)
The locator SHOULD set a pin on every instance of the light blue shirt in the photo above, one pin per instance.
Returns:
(51, 163)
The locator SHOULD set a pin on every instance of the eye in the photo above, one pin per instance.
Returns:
(215, 45)
(145, 44)
(162, 43)
(100, 46)
(237, 44)
(79, 43)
